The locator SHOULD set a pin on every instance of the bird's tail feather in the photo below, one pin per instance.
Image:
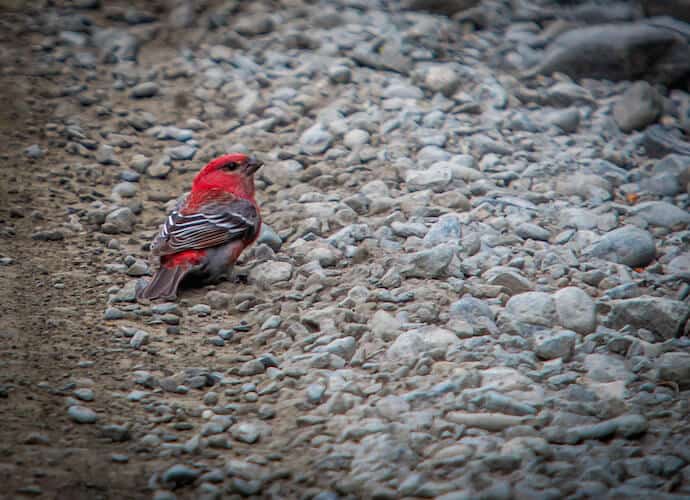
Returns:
(164, 284)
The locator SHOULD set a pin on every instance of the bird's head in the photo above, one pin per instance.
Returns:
(232, 172)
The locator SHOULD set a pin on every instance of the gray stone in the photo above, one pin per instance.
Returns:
(82, 414)
(627, 245)
(674, 367)
(666, 318)
(443, 78)
(34, 152)
(245, 432)
(537, 308)
(267, 274)
(550, 345)
(575, 309)
(532, 231)
(627, 426)
(567, 119)
(183, 152)
(430, 263)
(640, 105)
(385, 326)
(436, 177)
(179, 475)
(315, 140)
(144, 90)
(409, 345)
(471, 309)
(120, 220)
(661, 213)
(446, 229)
(625, 51)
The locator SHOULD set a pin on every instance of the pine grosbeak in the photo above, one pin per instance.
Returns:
(209, 229)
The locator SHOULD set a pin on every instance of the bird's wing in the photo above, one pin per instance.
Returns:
(211, 225)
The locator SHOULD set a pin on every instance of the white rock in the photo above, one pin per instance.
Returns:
(575, 309)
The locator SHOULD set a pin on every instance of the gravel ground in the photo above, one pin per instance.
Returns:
(472, 282)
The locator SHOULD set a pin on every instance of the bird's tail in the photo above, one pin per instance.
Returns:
(164, 284)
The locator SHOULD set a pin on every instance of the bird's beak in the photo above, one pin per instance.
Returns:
(253, 164)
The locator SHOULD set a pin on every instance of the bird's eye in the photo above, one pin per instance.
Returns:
(230, 166)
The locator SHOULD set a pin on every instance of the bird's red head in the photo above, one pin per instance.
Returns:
(233, 172)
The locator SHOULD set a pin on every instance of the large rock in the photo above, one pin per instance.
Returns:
(640, 105)
(627, 245)
(412, 343)
(625, 51)
(575, 310)
(680, 9)
(268, 273)
(447, 7)
(664, 317)
(661, 213)
(536, 308)
(674, 367)
(430, 263)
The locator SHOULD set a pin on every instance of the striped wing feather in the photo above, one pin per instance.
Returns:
(216, 224)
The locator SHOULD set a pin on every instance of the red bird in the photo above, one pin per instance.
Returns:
(206, 233)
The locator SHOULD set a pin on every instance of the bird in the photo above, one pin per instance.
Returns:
(202, 238)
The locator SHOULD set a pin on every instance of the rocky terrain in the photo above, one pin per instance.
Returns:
(473, 282)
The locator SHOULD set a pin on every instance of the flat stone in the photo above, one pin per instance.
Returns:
(575, 309)
(665, 318)
(82, 414)
(537, 308)
(627, 245)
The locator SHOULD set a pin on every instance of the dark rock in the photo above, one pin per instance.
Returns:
(628, 51)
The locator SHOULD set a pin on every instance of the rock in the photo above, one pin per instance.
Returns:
(532, 231)
(144, 90)
(116, 45)
(183, 152)
(537, 308)
(34, 152)
(510, 279)
(315, 140)
(627, 245)
(245, 432)
(267, 274)
(626, 426)
(640, 105)
(661, 213)
(567, 119)
(446, 7)
(339, 74)
(436, 178)
(605, 368)
(254, 25)
(409, 345)
(120, 220)
(664, 317)
(551, 345)
(674, 367)
(625, 51)
(356, 138)
(446, 229)
(679, 264)
(179, 475)
(575, 310)
(492, 422)
(471, 309)
(430, 263)
(385, 326)
(48, 235)
(679, 9)
(82, 414)
(443, 78)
